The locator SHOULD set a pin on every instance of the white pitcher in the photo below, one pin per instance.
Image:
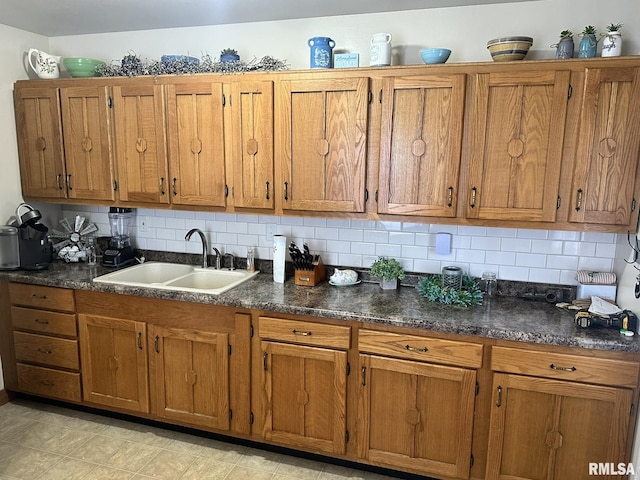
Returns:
(380, 50)
(46, 66)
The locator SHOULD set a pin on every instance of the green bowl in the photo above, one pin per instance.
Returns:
(81, 67)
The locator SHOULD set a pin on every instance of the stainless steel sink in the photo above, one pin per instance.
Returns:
(178, 277)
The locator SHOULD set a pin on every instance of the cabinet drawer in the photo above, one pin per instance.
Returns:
(57, 352)
(308, 333)
(52, 298)
(48, 382)
(424, 349)
(44, 321)
(565, 367)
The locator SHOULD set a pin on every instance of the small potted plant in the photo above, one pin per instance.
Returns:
(589, 42)
(612, 41)
(389, 271)
(564, 48)
(229, 55)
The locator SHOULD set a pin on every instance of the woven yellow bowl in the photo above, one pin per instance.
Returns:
(505, 49)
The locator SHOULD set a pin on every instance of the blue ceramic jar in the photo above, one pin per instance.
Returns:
(321, 52)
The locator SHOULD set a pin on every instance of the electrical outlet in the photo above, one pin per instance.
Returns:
(143, 224)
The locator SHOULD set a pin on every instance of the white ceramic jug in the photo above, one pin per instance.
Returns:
(46, 66)
(380, 50)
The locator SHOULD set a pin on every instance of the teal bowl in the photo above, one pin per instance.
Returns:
(435, 55)
(81, 67)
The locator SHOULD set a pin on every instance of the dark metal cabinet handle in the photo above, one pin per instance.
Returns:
(173, 186)
(562, 369)
(499, 402)
(162, 191)
(449, 196)
(474, 193)
(266, 187)
(363, 372)
(416, 349)
(140, 340)
(69, 187)
(579, 200)
(286, 191)
(302, 332)
(156, 344)
(45, 350)
(41, 322)
(58, 181)
(265, 357)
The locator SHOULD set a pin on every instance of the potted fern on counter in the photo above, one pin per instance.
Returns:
(389, 271)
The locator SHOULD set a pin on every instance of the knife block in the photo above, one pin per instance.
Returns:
(310, 278)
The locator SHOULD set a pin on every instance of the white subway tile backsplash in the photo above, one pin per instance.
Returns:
(606, 250)
(564, 262)
(500, 258)
(388, 250)
(515, 245)
(485, 243)
(581, 249)
(402, 238)
(514, 254)
(549, 247)
(544, 275)
(595, 264)
(533, 234)
(530, 260)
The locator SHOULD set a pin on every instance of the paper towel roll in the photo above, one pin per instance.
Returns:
(279, 255)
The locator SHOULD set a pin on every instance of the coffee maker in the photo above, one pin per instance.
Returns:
(119, 252)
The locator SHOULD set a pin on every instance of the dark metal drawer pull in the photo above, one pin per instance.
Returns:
(47, 383)
(416, 349)
(562, 369)
(303, 333)
(41, 322)
(499, 401)
(44, 350)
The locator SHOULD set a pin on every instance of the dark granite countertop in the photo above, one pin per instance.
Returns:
(507, 318)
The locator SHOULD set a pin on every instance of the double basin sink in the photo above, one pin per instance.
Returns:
(177, 277)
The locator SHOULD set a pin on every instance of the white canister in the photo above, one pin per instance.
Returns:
(612, 44)
(279, 256)
(380, 50)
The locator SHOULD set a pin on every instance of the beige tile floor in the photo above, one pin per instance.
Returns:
(40, 441)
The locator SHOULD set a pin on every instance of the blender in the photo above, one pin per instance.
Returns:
(119, 251)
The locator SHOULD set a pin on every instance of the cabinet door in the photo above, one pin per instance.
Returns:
(323, 127)
(191, 376)
(425, 424)
(114, 362)
(42, 169)
(196, 144)
(608, 145)
(141, 157)
(517, 129)
(252, 114)
(552, 429)
(87, 143)
(305, 396)
(421, 144)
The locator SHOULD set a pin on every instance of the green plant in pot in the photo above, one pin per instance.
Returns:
(389, 271)
(564, 47)
(229, 55)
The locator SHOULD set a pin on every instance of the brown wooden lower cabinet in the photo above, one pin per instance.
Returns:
(444, 406)
(302, 401)
(417, 415)
(190, 376)
(552, 429)
(114, 362)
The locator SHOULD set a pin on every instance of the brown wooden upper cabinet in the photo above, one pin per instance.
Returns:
(604, 182)
(87, 143)
(421, 142)
(42, 167)
(252, 148)
(141, 155)
(323, 140)
(517, 128)
(196, 144)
